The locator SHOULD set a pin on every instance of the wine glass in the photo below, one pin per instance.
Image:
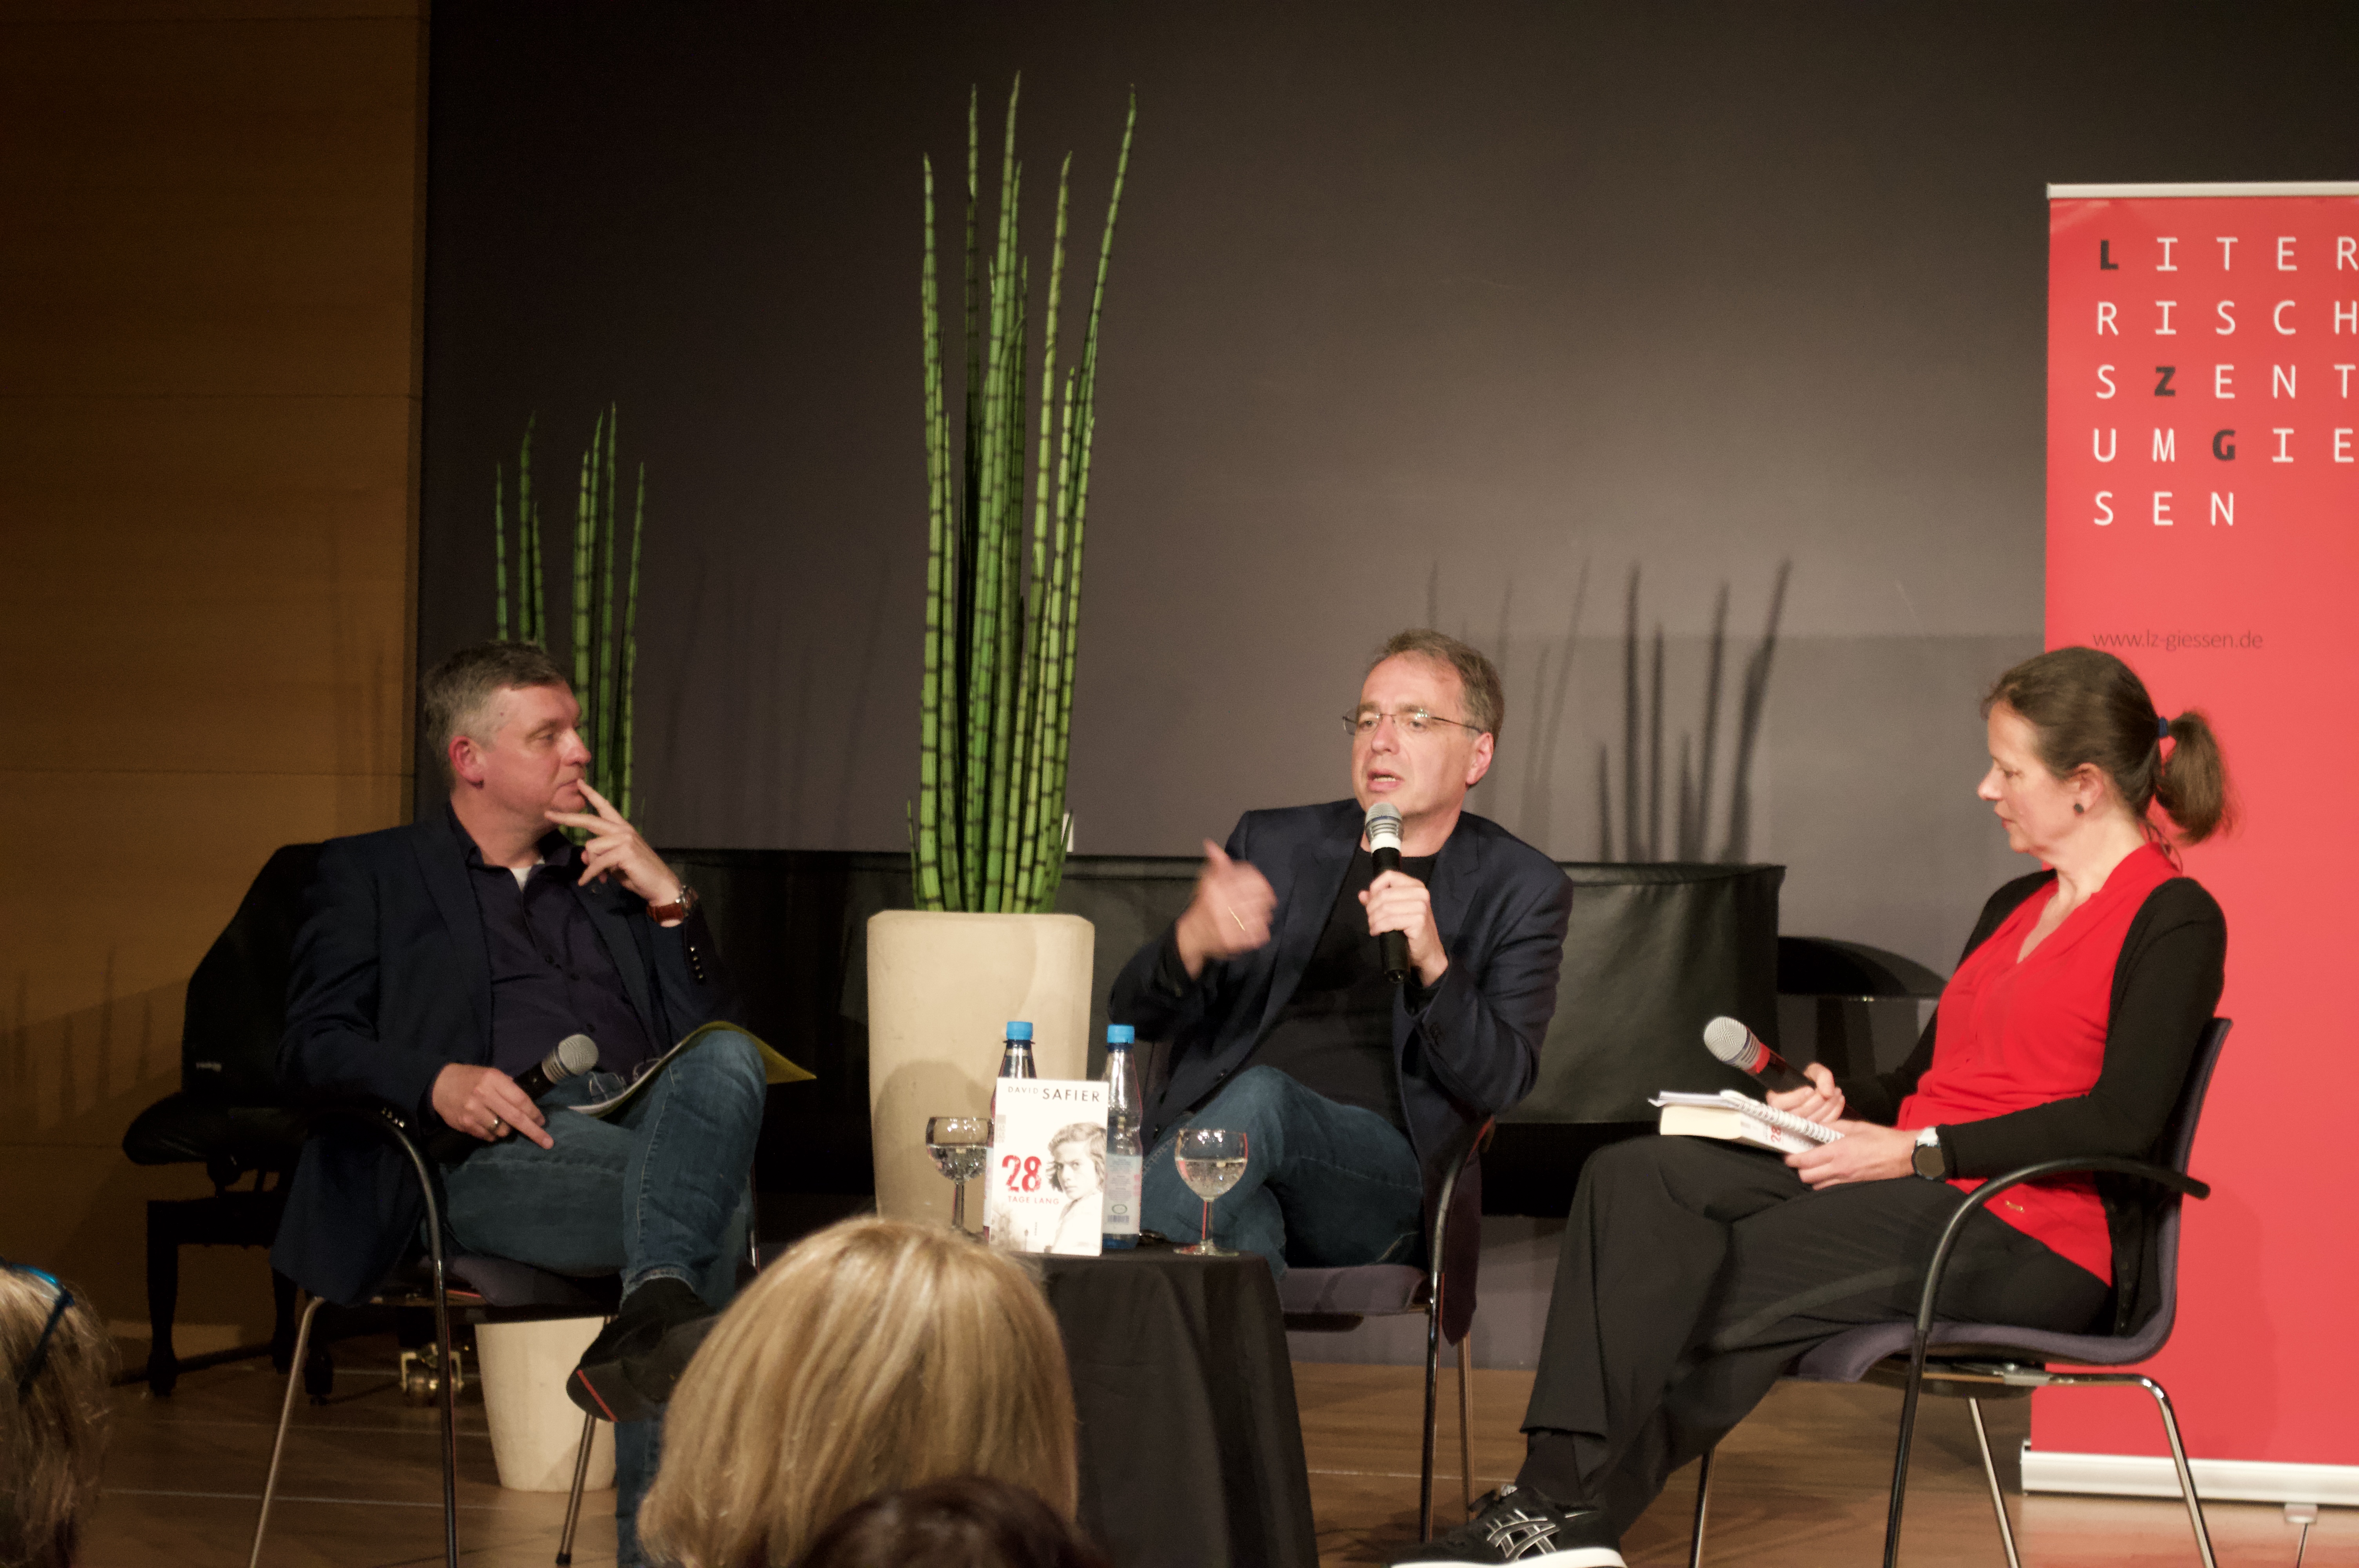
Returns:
(960, 1146)
(1211, 1160)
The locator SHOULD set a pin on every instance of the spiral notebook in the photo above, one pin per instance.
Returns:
(1738, 1118)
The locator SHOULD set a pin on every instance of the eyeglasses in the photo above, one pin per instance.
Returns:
(1407, 720)
(40, 1347)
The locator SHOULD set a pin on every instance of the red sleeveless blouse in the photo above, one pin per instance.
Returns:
(2015, 1033)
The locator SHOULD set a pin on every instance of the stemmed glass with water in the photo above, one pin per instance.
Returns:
(1211, 1160)
(960, 1146)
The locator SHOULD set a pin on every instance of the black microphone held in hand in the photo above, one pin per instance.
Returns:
(1383, 828)
(572, 1057)
(1748, 1053)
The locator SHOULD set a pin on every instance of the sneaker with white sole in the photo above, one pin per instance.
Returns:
(1522, 1527)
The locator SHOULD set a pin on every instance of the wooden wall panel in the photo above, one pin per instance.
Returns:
(209, 374)
(246, 551)
(224, 205)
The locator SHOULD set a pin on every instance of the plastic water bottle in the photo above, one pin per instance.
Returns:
(1015, 1061)
(1125, 1163)
(1015, 1058)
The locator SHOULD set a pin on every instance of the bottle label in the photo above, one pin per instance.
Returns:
(1122, 1182)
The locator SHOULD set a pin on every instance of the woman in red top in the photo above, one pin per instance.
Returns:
(1693, 1273)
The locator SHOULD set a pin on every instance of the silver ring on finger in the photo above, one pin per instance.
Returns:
(498, 1126)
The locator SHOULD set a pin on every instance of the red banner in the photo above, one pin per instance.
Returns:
(2203, 523)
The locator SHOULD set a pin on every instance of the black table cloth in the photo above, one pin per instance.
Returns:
(1190, 1443)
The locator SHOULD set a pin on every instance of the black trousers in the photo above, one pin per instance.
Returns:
(1694, 1271)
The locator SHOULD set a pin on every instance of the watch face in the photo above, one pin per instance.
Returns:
(1929, 1162)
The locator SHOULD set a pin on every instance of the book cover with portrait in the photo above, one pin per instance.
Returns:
(1044, 1190)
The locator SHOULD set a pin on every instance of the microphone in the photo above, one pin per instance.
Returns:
(569, 1058)
(1748, 1053)
(573, 1055)
(1384, 828)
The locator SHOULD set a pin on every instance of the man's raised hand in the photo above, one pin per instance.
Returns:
(615, 850)
(486, 1103)
(1230, 913)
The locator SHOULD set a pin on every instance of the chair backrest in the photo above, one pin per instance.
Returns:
(2178, 1142)
(237, 996)
(2148, 1309)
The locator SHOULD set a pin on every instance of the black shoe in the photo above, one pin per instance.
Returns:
(1512, 1526)
(629, 1369)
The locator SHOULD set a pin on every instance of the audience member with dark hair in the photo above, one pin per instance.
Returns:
(963, 1521)
(875, 1355)
(56, 1363)
(1694, 1271)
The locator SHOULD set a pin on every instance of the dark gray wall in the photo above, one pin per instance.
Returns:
(1418, 312)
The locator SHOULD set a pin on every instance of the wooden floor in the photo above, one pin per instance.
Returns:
(1801, 1484)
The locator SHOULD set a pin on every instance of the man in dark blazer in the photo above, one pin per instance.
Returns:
(438, 960)
(1355, 1091)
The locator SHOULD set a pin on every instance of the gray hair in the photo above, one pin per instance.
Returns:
(455, 693)
(1486, 702)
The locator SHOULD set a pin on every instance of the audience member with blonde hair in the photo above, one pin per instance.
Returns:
(875, 1357)
(56, 1363)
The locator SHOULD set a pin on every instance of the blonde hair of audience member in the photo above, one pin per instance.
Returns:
(874, 1357)
(53, 1428)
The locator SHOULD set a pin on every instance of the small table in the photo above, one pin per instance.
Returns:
(1190, 1443)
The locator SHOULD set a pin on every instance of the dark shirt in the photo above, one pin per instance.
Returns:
(1334, 1037)
(552, 975)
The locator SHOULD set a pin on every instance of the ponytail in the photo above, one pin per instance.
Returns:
(2192, 784)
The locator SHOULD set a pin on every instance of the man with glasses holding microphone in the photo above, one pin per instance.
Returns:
(1272, 991)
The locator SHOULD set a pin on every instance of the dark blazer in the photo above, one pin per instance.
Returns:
(1471, 1051)
(391, 983)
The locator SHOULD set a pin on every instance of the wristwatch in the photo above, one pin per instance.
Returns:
(1931, 1162)
(677, 910)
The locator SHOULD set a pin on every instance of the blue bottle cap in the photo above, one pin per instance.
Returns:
(1019, 1030)
(1120, 1034)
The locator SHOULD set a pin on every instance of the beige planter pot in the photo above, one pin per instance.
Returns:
(941, 988)
(536, 1430)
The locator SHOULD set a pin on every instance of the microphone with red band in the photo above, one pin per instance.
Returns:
(1748, 1053)
(1383, 828)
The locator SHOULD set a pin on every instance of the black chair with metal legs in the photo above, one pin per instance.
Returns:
(1975, 1361)
(493, 1288)
(1334, 1301)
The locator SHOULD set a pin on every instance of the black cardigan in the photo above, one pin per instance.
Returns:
(2165, 984)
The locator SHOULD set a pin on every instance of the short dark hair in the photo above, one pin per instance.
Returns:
(1486, 702)
(2087, 709)
(959, 1521)
(455, 692)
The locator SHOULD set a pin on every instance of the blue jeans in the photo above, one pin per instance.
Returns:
(1326, 1185)
(659, 1191)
